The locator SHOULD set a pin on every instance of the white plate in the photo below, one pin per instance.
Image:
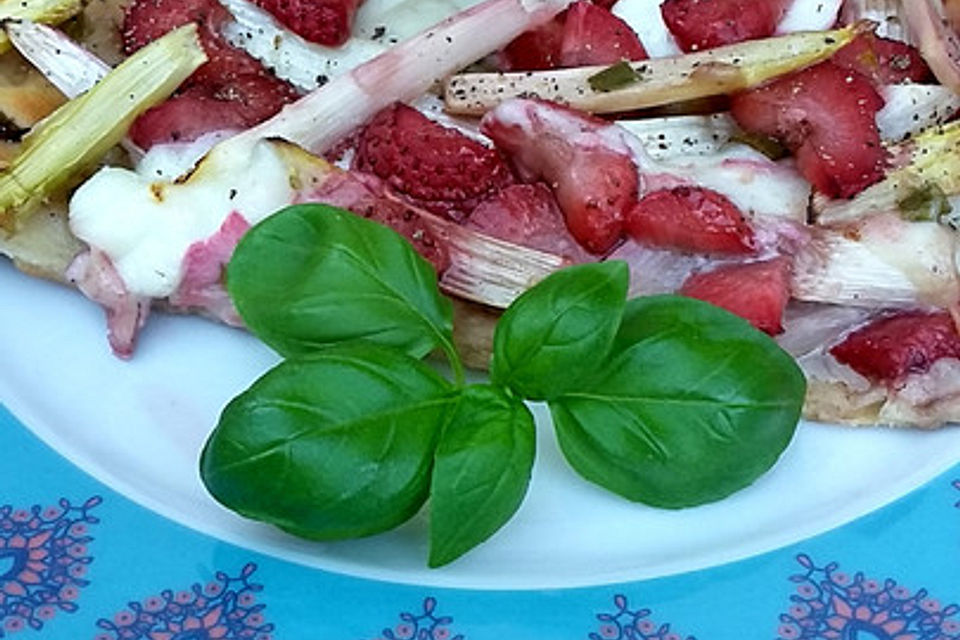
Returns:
(138, 426)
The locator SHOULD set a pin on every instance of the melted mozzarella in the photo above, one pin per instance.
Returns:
(145, 226)
(753, 182)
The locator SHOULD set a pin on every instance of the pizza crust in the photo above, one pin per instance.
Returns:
(44, 246)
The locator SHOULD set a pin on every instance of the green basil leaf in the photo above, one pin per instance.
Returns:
(481, 471)
(312, 275)
(557, 332)
(337, 445)
(694, 405)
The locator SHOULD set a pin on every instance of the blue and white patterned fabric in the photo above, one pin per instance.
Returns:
(79, 561)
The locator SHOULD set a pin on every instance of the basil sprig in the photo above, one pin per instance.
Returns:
(666, 400)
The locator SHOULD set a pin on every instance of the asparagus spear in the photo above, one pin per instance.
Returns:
(928, 172)
(655, 82)
(74, 137)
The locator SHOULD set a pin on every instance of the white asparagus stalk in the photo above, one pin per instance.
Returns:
(880, 261)
(928, 162)
(48, 11)
(488, 270)
(68, 66)
(910, 108)
(938, 43)
(658, 81)
(320, 119)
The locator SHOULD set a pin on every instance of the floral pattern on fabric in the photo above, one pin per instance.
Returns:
(632, 624)
(421, 626)
(223, 609)
(832, 605)
(43, 562)
(956, 485)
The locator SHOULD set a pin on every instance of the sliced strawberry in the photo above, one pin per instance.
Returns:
(528, 215)
(436, 167)
(534, 50)
(705, 24)
(827, 116)
(326, 22)
(594, 182)
(231, 90)
(146, 20)
(757, 291)
(225, 63)
(883, 61)
(241, 103)
(690, 219)
(592, 36)
(891, 348)
(584, 34)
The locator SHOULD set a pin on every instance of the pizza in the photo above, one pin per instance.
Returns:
(793, 162)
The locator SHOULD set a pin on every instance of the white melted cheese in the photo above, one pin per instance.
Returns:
(146, 226)
(753, 182)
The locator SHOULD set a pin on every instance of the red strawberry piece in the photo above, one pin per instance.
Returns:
(594, 182)
(437, 168)
(883, 61)
(146, 20)
(534, 50)
(528, 215)
(225, 63)
(894, 346)
(584, 34)
(705, 24)
(690, 219)
(593, 36)
(757, 291)
(241, 103)
(325, 22)
(827, 116)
